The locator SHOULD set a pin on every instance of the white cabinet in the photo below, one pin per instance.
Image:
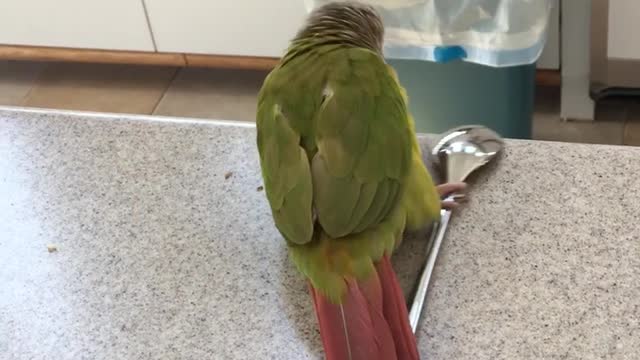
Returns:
(225, 27)
(550, 57)
(254, 28)
(624, 27)
(93, 24)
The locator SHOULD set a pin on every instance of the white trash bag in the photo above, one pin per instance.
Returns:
(490, 32)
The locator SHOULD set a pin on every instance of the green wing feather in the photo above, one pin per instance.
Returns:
(285, 170)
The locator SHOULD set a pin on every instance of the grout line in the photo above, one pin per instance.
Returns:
(625, 120)
(36, 79)
(166, 89)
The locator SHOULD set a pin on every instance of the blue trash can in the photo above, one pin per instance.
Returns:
(446, 95)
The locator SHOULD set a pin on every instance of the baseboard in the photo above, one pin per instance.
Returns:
(38, 53)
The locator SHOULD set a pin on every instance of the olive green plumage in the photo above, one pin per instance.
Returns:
(342, 169)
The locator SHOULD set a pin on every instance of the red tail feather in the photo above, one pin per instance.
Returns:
(371, 323)
(395, 311)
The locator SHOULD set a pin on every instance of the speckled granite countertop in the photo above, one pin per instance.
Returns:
(160, 257)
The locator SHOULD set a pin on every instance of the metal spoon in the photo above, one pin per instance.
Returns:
(460, 151)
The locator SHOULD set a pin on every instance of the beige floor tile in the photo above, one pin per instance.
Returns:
(16, 80)
(98, 87)
(632, 125)
(608, 127)
(213, 94)
(632, 133)
(602, 132)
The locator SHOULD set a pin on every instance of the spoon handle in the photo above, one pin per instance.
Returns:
(440, 228)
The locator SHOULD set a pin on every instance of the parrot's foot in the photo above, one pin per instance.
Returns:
(445, 190)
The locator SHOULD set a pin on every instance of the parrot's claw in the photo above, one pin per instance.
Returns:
(453, 193)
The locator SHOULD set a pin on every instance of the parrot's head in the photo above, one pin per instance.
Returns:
(353, 23)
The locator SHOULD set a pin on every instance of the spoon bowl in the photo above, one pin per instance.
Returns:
(464, 149)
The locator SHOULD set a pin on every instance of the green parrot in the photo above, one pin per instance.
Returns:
(344, 177)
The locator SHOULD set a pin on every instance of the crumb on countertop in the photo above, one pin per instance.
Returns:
(260, 188)
(52, 248)
(228, 175)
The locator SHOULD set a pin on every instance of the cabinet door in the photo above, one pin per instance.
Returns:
(624, 28)
(94, 24)
(225, 27)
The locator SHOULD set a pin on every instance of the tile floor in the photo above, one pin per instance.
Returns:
(231, 95)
